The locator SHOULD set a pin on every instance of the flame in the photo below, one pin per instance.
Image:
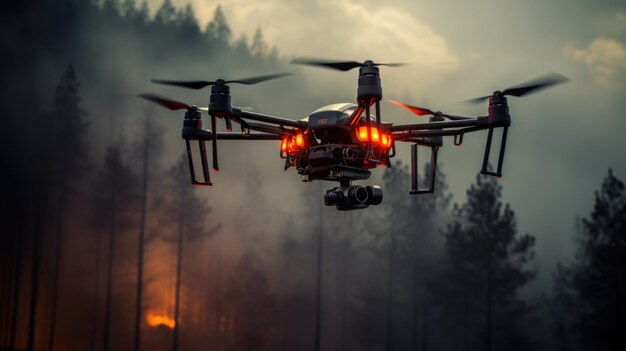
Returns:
(155, 320)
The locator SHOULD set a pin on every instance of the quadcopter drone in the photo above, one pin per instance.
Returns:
(342, 142)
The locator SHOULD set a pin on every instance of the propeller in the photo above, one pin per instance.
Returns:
(527, 88)
(340, 65)
(199, 84)
(421, 111)
(169, 103)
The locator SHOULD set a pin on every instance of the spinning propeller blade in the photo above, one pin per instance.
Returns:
(199, 84)
(421, 111)
(340, 65)
(258, 79)
(416, 110)
(167, 102)
(532, 86)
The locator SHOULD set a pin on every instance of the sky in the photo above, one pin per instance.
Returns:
(562, 140)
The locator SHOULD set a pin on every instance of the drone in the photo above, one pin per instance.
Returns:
(342, 142)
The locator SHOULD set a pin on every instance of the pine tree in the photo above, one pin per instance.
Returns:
(114, 198)
(191, 213)
(413, 250)
(488, 260)
(111, 8)
(187, 23)
(254, 305)
(166, 14)
(218, 30)
(128, 9)
(72, 155)
(258, 46)
(595, 283)
(148, 148)
(142, 17)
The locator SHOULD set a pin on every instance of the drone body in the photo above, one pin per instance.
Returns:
(341, 142)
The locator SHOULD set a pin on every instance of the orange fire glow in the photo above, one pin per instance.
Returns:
(155, 320)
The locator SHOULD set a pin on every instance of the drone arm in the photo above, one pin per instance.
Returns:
(412, 135)
(478, 122)
(204, 135)
(422, 134)
(255, 136)
(272, 119)
(267, 128)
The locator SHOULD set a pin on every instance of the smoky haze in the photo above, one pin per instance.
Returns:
(251, 242)
(463, 50)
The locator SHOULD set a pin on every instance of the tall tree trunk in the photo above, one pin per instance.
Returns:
(466, 316)
(489, 302)
(414, 296)
(18, 273)
(318, 290)
(106, 334)
(344, 278)
(390, 293)
(414, 317)
(58, 245)
(219, 338)
(96, 294)
(179, 265)
(142, 228)
(36, 258)
(424, 326)
(6, 285)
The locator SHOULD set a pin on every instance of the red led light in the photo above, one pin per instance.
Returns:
(363, 135)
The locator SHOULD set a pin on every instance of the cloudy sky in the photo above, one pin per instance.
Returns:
(562, 141)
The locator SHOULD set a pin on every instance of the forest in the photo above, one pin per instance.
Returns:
(104, 244)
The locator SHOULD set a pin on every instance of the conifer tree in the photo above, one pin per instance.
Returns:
(218, 30)
(166, 14)
(114, 198)
(148, 149)
(72, 154)
(595, 284)
(488, 259)
(128, 8)
(143, 14)
(258, 46)
(190, 213)
(187, 23)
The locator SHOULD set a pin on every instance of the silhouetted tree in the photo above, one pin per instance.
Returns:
(412, 253)
(72, 155)
(114, 198)
(191, 213)
(187, 23)
(143, 14)
(255, 307)
(89, 33)
(218, 31)
(149, 147)
(594, 285)
(166, 14)
(111, 7)
(128, 8)
(488, 261)
(258, 46)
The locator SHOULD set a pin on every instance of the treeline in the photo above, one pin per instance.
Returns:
(93, 218)
(106, 246)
